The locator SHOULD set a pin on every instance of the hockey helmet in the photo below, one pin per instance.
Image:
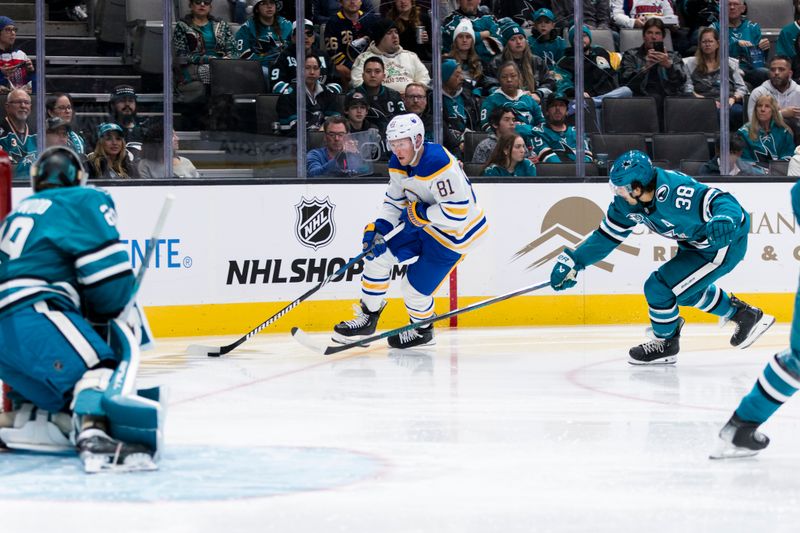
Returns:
(632, 166)
(405, 126)
(57, 166)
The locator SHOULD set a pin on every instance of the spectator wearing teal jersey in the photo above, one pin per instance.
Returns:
(746, 43)
(16, 138)
(789, 45)
(264, 35)
(767, 137)
(509, 158)
(510, 96)
(486, 32)
(544, 40)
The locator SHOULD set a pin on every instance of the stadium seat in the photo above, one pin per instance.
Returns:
(630, 115)
(770, 14)
(473, 169)
(691, 167)
(564, 169)
(632, 38)
(144, 10)
(590, 124)
(673, 147)
(143, 46)
(380, 170)
(604, 38)
(690, 115)
(316, 139)
(111, 14)
(266, 113)
(237, 76)
(779, 168)
(616, 144)
(471, 140)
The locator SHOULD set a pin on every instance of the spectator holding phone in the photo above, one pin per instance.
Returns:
(650, 70)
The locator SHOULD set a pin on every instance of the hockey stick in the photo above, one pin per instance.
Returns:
(216, 351)
(303, 338)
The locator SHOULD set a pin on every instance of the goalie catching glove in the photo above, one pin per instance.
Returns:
(720, 230)
(373, 237)
(564, 271)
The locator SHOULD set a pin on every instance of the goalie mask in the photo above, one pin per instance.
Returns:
(57, 166)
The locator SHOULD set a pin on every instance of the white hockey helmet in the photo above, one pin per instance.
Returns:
(406, 126)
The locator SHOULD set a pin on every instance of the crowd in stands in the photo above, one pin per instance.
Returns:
(507, 75)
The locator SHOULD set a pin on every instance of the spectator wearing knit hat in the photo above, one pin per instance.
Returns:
(461, 109)
(537, 78)
(479, 74)
(409, 17)
(402, 66)
(16, 68)
(486, 31)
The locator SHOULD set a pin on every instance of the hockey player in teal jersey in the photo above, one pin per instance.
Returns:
(65, 277)
(779, 380)
(711, 229)
(431, 196)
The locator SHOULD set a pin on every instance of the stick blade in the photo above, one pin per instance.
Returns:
(305, 339)
(199, 349)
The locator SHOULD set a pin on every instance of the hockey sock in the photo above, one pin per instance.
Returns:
(716, 301)
(373, 290)
(773, 388)
(419, 313)
(664, 321)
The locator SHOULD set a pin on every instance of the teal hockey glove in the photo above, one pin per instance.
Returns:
(564, 271)
(720, 230)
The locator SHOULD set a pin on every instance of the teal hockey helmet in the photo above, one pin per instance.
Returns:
(632, 166)
(57, 166)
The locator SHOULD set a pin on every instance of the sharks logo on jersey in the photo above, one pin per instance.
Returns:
(662, 193)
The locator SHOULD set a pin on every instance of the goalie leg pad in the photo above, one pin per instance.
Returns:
(37, 430)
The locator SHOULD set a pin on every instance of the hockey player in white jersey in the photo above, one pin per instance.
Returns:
(429, 193)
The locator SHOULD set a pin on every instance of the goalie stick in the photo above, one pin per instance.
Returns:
(216, 351)
(305, 339)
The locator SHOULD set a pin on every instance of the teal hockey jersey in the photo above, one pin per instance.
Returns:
(680, 210)
(63, 245)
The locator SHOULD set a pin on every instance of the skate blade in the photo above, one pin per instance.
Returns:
(763, 325)
(669, 360)
(342, 339)
(100, 463)
(725, 450)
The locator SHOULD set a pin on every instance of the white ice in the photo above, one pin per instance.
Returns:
(495, 430)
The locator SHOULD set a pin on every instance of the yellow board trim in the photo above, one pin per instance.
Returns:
(539, 310)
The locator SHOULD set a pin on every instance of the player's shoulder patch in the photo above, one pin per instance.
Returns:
(662, 193)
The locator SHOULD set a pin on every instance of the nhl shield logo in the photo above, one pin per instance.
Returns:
(315, 227)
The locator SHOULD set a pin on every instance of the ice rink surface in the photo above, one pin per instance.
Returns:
(491, 430)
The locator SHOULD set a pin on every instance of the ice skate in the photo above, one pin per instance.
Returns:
(101, 453)
(751, 323)
(413, 338)
(657, 351)
(739, 439)
(362, 325)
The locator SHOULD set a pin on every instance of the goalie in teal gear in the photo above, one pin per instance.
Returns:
(776, 384)
(711, 229)
(69, 354)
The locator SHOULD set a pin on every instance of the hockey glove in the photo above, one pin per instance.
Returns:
(415, 215)
(373, 238)
(564, 271)
(720, 230)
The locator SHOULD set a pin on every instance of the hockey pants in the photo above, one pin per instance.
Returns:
(688, 279)
(434, 262)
